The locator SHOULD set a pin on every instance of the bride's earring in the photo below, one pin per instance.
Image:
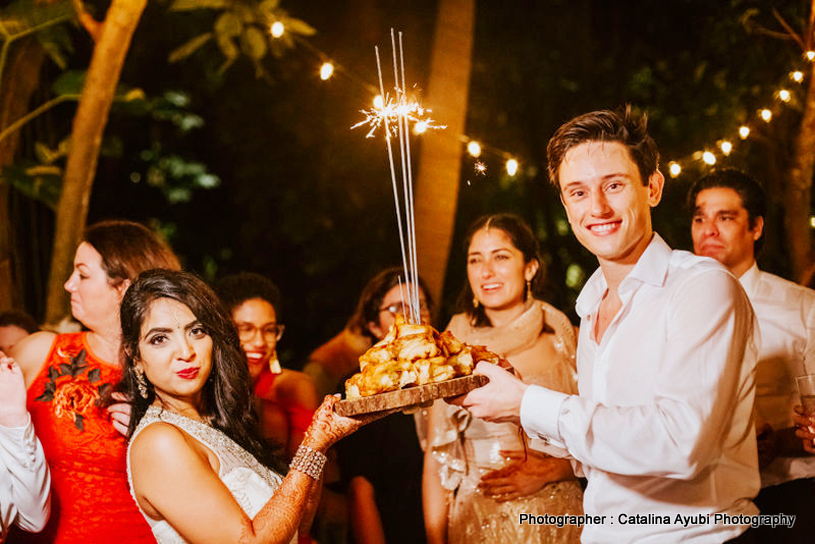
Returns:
(475, 302)
(141, 383)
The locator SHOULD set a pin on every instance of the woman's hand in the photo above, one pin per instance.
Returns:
(328, 427)
(120, 413)
(12, 393)
(519, 478)
(805, 428)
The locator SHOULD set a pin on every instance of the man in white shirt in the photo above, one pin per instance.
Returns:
(729, 208)
(662, 425)
(25, 484)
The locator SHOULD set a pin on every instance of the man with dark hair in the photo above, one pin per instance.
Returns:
(662, 425)
(728, 221)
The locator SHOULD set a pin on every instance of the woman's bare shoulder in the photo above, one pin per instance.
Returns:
(297, 386)
(31, 353)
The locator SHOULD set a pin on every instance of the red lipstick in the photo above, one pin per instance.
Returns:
(188, 373)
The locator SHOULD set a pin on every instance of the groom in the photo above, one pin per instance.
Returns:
(662, 426)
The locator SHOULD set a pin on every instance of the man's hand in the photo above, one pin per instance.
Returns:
(120, 413)
(499, 400)
(12, 393)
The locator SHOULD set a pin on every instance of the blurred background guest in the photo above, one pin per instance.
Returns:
(14, 326)
(25, 485)
(479, 476)
(381, 464)
(287, 397)
(68, 374)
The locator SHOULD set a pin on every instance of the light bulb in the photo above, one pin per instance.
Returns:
(326, 70)
(474, 148)
(512, 167)
(277, 29)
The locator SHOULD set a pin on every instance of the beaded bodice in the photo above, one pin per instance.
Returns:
(249, 482)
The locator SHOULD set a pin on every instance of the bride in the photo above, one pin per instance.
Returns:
(198, 470)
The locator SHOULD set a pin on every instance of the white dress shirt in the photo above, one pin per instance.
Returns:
(786, 319)
(663, 421)
(25, 483)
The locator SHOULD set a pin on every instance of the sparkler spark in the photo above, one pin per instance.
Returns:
(395, 114)
(480, 168)
(394, 110)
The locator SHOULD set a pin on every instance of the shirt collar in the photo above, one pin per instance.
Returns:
(651, 268)
(750, 280)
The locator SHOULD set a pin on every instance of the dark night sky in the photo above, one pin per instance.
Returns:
(306, 201)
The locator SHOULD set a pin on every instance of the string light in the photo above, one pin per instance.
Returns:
(812, 221)
(512, 167)
(326, 70)
(277, 29)
(674, 169)
(474, 149)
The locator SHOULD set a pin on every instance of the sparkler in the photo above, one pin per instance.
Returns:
(394, 114)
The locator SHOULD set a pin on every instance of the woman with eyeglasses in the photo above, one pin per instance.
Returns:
(381, 465)
(287, 397)
(478, 476)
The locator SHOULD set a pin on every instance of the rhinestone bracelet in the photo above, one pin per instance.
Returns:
(308, 461)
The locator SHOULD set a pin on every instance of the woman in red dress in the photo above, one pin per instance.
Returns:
(66, 376)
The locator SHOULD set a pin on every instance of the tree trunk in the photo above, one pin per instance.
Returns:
(797, 194)
(86, 139)
(22, 76)
(441, 151)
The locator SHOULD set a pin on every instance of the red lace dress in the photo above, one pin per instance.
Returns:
(90, 501)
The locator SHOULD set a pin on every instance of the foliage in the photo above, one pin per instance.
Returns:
(242, 27)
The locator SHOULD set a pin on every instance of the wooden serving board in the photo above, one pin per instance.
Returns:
(410, 396)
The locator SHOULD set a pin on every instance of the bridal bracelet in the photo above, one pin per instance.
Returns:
(308, 461)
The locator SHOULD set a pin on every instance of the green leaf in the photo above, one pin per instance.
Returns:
(79, 421)
(228, 25)
(53, 373)
(267, 6)
(254, 42)
(25, 16)
(65, 368)
(189, 5)
(299, 27)
(69, 83)
(184, 51)
(94, 375)
(43, 188)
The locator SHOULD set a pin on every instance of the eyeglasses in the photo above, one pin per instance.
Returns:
(404, 309)
(270, 333)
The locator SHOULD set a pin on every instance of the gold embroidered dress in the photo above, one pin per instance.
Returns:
(468, 448)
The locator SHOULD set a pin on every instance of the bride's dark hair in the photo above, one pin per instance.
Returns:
(227, 400)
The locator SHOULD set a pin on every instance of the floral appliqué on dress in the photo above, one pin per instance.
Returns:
(74, 395)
